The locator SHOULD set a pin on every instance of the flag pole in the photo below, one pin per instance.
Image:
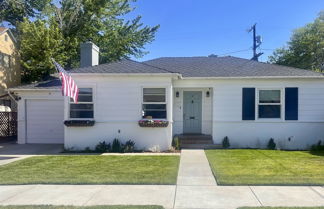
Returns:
(55, 65)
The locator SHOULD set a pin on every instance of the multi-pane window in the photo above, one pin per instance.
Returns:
(5, 60)
(269, 104)
(154, 103)
(84, 108)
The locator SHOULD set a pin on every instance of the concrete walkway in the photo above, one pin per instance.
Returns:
(194, 169)
(196, 189)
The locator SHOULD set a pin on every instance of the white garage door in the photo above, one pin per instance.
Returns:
(45, 121)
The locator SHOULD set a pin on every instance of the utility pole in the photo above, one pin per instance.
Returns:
(256, 43)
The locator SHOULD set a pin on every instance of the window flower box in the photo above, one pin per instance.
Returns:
(153, 123)
(79, 123)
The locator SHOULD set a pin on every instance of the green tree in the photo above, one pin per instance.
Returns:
(305, 48)
(39, 43)
(75, 21)
(14, 11)
(102, 21)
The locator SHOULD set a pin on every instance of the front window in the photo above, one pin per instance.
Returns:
(269, 104)
(5, 60)
(84, 108)
(154, 103)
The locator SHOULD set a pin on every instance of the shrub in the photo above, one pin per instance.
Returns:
(116, 146)
(271, 144)
(129, 146)
(102, 147)
(317, 147)
(176, 143)
(226, 144)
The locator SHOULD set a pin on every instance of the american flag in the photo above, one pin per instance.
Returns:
(69, 87)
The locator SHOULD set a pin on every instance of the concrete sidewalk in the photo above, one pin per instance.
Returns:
(196, 188)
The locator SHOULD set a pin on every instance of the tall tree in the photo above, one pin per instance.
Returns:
(101, 21)
(14, 11)
(305, 48)
(39, 43)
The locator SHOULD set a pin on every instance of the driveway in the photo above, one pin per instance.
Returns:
(10, 152)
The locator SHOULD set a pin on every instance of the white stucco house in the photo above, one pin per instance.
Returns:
(247, 101)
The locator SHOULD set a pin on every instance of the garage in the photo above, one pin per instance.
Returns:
(44, 121)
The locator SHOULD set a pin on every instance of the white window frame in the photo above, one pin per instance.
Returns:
(165, 102)
(257, 103)
(93, 103)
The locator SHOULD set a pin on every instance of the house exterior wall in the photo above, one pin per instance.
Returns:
(9, 76)
(118, 107)
(227, 120)
(117, 110)
(300, 134)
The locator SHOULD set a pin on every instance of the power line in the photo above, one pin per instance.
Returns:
(233, 52)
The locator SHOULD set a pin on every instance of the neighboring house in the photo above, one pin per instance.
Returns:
(247, 101)
(9, 68)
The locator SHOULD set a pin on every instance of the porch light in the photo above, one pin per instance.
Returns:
(207, 94)
(177, 94)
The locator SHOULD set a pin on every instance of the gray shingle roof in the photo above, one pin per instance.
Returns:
(187, 67)
(226, 67)
(123, 66)
(52, 83)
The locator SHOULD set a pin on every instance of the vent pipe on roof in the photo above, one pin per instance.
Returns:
(89, 54)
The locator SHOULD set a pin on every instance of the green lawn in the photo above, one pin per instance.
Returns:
(266, 167)
(80, 207)
(91, 169)
(280, 208)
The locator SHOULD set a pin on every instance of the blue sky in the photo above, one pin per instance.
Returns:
(200, 28)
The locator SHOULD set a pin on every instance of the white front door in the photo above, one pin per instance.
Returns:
(192, 111)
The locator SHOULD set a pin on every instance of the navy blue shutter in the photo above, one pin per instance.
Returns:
(248, 104)
(291, 103)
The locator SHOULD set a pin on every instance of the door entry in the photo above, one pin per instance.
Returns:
(192, 110)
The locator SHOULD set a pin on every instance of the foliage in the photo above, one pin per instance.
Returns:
(305, 48)
(116, 146)
(317, 147)
(39, 43)
(75, 21)
(226, 144)
(271, 144)
(14, 11)
(176, 143)
(103, 147)
(129, 146)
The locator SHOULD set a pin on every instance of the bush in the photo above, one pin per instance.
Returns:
(102, 147)
(129, 146)
(226, 144)
(271, 144)
(176, 143)
(317, 147)
(116, 146)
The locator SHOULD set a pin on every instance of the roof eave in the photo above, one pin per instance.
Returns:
(35, 89)
(126, 74)
(253, 77)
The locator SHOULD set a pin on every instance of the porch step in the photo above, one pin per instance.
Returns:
(201, 141)
(197, 141)
(201, 146)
